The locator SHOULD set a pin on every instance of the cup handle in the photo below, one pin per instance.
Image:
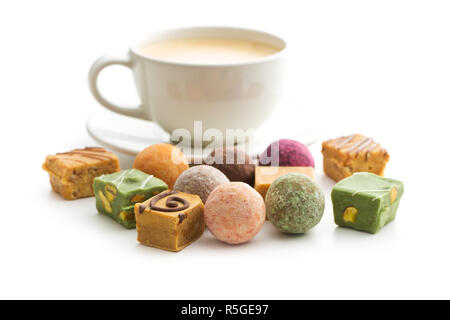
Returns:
(96, 68)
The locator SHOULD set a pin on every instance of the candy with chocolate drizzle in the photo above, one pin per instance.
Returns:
(72, 173)
(172, 203)
(344, 156)
(88, 153)
(171, 220)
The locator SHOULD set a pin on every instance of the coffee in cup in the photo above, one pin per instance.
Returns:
(208, 50)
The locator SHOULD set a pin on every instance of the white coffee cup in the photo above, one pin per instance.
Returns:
(237, 95)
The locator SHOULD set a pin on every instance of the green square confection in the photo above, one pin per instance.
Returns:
(366, 201)
(117, 193)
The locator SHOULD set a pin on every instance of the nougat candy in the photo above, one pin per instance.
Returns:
(366, 201)
(117, 193)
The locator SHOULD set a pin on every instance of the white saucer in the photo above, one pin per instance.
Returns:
(124, 134)
(130, 136)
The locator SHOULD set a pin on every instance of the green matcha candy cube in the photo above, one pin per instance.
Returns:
(117, 193)
(366, 201)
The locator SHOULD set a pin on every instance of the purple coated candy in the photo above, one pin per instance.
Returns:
(286, 153)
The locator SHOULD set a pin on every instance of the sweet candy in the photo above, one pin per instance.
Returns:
(170, 221)
(235, 163)
(234, 212)
(366, 201)
(355, 153)
(117, 193)
(72, 173)
(200, 180)
(294, 203)
(164, 161)
(286, 153)
(264, 176)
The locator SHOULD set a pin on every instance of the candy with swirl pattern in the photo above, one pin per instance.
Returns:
(172, 203)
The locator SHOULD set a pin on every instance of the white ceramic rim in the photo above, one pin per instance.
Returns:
(134, 49)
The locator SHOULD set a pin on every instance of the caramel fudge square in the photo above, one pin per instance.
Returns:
(170, 221)
(344, 156)
(72, 173)
(264, 176)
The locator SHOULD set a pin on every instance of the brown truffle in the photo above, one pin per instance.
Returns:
(235, 163)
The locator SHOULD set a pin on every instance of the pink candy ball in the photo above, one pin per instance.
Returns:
(234, 212)
(290, 153)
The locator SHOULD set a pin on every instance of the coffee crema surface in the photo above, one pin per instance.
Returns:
(208, 50)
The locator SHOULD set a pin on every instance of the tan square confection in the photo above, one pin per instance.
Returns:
(264, 176)
(344, 156)
(170, 221)
(72, 173)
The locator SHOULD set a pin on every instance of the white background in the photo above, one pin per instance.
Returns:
(381, 68)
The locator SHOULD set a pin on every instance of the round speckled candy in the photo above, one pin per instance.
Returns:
(294, 203)
(286, 153)
(200, 180)
(234, 212)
